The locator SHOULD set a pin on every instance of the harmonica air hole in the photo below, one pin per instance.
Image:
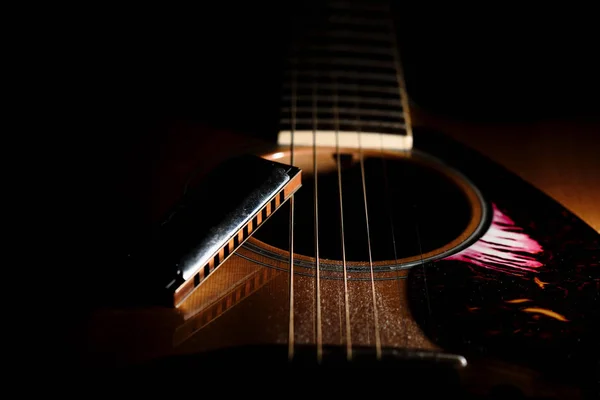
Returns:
(229, 223)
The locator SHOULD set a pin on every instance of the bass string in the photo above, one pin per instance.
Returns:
(291, 221)
(387, 192)
(368, 229)
(339, 175)
(318, 325)
(409, 132)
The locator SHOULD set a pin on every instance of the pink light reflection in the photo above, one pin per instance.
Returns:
(504, 247)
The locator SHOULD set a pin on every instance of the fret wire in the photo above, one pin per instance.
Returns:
(349, 99)
(348, 34)
(363, 21)
(349, 49)
(391, 78)
(354, 87)
(350, 122)
(345, 61)
(343, 110)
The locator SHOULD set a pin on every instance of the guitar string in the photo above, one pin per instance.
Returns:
(364, 189)
(319, 332)
(346, 294)
(422, 263)
(409, 132)
(291, 222)
(339, 173)
(387, 195)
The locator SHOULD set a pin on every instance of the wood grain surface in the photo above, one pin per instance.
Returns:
(562, 158)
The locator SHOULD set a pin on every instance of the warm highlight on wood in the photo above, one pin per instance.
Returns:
(241, 236)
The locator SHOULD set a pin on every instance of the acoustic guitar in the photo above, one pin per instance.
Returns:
(403, 249)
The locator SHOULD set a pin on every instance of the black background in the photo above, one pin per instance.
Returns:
(221, 62)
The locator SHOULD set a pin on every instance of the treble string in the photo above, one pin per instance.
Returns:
(364, 189)
(421, 255)
(387, 195)
(319, 332)
(408, 127)
(339, 171)
(291, 226)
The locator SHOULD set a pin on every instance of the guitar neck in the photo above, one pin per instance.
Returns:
(344, 75)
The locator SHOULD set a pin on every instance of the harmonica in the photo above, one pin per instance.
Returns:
(216, 217)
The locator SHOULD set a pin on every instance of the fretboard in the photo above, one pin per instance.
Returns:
(344, 73)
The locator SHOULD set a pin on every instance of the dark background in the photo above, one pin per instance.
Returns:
(220, 63)
(117, 79)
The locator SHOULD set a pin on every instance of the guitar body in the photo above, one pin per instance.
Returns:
(522, 293)
(440, 259)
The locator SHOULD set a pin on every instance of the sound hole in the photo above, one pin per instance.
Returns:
(420, 209)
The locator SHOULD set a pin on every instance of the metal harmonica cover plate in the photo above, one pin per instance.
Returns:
(205, 227)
